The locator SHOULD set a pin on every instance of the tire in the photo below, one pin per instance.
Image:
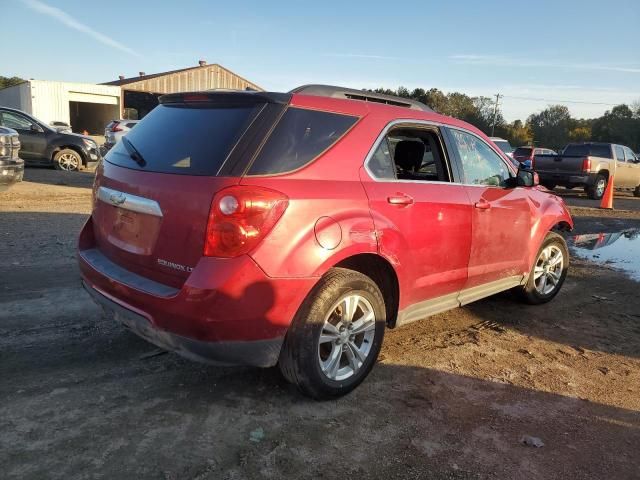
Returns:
(67, 160)
(636, 192)
(549, 186)
(535, 292)
(596, 191)
(333, 368)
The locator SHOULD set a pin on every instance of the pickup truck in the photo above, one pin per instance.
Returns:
(11, 165)
(590, 165)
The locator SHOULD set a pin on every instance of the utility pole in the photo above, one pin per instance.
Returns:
(495, 113)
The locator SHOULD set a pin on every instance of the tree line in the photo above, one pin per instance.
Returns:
(552, 127)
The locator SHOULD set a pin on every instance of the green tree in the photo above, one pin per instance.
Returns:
(550, 127)
(9, 81)
(620, 125)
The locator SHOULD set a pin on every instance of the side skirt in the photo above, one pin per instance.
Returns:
(421, 310)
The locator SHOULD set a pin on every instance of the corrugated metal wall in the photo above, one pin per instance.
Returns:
(201, 78)
(50, 100)
(18, 96)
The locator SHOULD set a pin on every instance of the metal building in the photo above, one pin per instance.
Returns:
(84, 106)
(140, 94)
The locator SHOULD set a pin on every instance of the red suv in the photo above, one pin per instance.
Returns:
(263, 228)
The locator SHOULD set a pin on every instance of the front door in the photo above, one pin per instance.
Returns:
(33, 143)
(422, 218)
(501, 217)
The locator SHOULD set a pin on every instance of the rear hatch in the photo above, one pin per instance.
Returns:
(154, 191)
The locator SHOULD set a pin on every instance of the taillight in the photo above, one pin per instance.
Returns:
(240, 217)
(115, 127)
(586, 164)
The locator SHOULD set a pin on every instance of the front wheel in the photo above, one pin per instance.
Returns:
(68, 160)
(636, 192)
(548, 272)
(336, 336)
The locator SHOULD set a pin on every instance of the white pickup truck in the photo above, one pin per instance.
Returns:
(590, 165)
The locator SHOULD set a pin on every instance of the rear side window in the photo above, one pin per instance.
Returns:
(188, 140)
(300, 136)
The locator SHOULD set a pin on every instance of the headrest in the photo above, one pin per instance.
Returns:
(408, 155)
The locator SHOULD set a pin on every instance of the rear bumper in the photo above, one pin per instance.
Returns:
(227, 311)
(566, 178)
(259, 353)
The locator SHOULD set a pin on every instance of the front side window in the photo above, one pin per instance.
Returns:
(619, 153)
(481, 165)
(410, 154)
(13, 120)
(629, 155)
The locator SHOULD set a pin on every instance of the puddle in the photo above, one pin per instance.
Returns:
(619, 249)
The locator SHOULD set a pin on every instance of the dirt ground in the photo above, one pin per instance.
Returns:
(451, 397)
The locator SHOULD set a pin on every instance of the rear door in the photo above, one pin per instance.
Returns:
(501, 217)
(154, 190)
(422, 217)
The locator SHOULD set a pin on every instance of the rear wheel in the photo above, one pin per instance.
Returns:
(549, 185)
(336, 335)
(548, 272)
(596, 191)
(68, 160)
(636, 192)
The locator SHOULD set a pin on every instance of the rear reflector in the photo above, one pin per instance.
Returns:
(240, 217)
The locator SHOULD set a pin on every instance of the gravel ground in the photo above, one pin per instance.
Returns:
(451, 398)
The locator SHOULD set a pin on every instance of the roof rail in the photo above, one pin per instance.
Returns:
(363, 95)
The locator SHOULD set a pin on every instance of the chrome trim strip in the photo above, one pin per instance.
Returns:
(128, 201)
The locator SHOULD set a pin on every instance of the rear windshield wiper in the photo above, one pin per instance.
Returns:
(133, 152)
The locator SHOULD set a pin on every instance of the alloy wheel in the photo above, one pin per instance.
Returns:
(347, 336)
(600, 187)
(68, 162)
(548, 269)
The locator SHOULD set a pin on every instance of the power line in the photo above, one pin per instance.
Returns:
(560, 101)
(495, 112)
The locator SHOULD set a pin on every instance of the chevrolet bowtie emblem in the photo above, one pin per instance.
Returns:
(117, 198)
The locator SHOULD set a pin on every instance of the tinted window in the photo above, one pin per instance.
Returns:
(522, 152)
(13, 120)
(300, 136)
(481, 165)
(619, 153)
(588, 149)
(184, 140)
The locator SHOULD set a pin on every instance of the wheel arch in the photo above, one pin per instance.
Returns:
(383, 274)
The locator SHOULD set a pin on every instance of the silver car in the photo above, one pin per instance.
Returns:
(116, 130)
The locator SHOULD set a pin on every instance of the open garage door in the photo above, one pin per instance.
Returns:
(91, 113)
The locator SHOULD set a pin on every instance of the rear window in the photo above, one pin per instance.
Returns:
(522, 152)
(586, 149)
(188, 140)
(300, 136)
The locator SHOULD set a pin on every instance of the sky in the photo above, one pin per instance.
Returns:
(584, 54)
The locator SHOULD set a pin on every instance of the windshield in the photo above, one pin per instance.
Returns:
(504, 146)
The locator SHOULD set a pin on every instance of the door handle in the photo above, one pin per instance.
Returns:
(400, 199)
(482, 205)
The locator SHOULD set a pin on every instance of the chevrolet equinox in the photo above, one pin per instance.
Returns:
(257, 228)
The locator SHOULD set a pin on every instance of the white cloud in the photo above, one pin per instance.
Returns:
(502, 61)
(69, 21)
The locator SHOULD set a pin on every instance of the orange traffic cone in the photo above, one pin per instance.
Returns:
(607, 198)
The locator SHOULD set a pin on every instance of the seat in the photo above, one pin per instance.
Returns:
(408, 158)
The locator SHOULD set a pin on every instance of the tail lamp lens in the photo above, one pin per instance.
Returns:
(586, 164)
(240, 217)
(116, 127)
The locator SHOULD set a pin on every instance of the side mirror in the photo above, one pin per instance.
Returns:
(524, 178)
(36, 128)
